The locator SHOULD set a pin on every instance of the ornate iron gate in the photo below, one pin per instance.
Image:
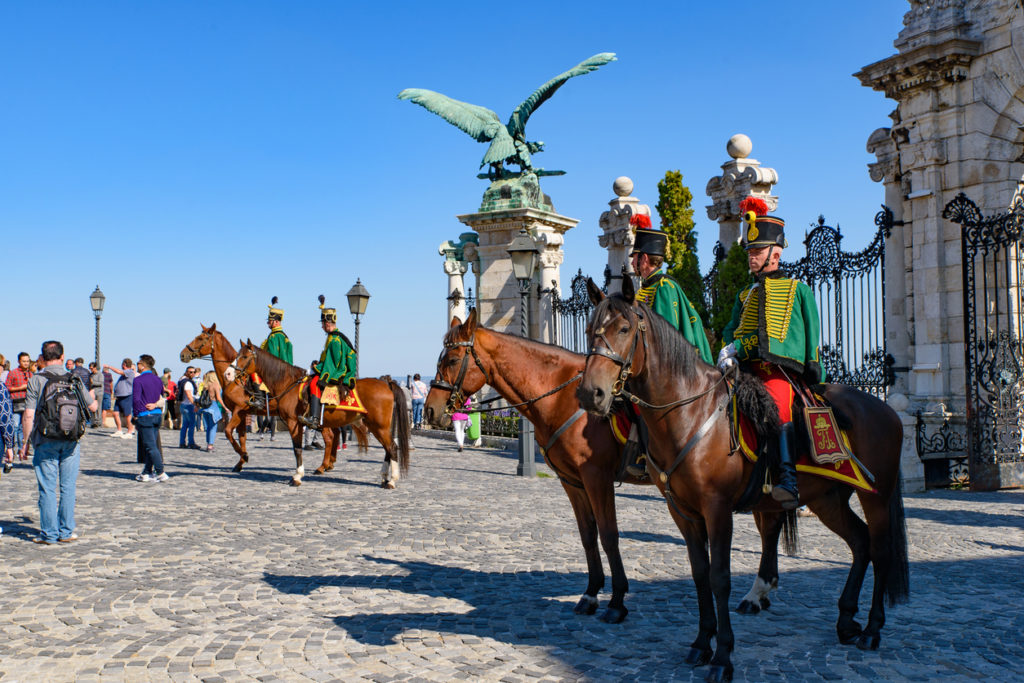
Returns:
(993, 273)
(571, 314)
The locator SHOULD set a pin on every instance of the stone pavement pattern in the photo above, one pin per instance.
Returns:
(464, 573)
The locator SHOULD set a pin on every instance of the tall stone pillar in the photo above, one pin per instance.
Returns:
(959, 85)
(508, 206)
(617, 236)
(456, 263)
(741, 178)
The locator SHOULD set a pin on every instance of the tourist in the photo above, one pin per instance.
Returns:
(186, 398)
(55, 461)
(211, 407)
(170, 416)
(419, 396)
(96, 385)
(108, 394)
(460, 422)
(17, 384)
(147, 390)
(123, 398)
(7, 429)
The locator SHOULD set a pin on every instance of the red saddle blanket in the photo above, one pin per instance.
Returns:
(329, 398)
(846, 471)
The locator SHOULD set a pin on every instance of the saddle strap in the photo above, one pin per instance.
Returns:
(553, 440)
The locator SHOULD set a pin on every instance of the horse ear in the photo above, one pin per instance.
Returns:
(594, 292)
(213, 327)
(249, 342)
(628, 291)
(455, 321)
(241, 344)
(471, 321)
(205, 328)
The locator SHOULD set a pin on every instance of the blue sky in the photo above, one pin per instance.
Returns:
(196, 158)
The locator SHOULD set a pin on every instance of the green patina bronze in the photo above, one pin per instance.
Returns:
(508, 143)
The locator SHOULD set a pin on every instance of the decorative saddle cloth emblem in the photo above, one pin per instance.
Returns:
(844, 469)
(330, 399)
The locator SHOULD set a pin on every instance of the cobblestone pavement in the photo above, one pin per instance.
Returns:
(464, 573)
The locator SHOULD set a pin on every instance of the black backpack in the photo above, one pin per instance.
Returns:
(61, 415)
(205, 400)
(180, 396)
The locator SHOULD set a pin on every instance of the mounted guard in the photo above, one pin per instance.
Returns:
(664, 296)
(774, 332)
(336, 367)
(278, 345)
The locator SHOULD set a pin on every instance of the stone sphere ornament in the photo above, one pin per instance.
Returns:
(739, 146)
(623, 186)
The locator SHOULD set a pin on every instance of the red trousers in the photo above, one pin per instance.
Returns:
(778, 386)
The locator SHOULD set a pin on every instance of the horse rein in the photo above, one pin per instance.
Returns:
(456, 399)
(241, 373)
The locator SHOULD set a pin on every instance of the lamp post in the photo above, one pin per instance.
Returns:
(523, 252)
(357, 300)
(96, 300)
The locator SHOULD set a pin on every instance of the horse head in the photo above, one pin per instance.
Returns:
(614, 333)
(458, 375)
(245, 361)
(201, 345)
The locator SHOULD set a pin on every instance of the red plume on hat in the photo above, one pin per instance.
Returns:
(640, 221)
(754, 204)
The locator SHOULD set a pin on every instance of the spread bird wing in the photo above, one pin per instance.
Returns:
(482, 124)
(517, 122)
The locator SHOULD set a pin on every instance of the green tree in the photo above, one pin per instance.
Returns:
(674, 207)
(733, 276)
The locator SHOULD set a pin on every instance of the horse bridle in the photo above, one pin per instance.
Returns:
(625, 364)
(205, 336)
(455, 397)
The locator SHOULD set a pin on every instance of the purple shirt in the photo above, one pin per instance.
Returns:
(147, 388)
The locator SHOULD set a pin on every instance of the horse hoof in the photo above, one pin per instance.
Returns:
(719, 673)
(389, 485)
(849, 633)
(868, 642)
(237, 468)
(295, 482)
(318, 471)
(748, 607)
(614, 615)
(765, 603)
(587, 605)
(698, 657)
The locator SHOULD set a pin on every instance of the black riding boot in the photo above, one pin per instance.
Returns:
(312, 417)
(785, 491)
(257, 398)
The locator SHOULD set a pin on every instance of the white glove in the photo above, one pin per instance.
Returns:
(727, 358)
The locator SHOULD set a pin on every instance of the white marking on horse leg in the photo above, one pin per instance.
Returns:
(394, 470)
(759, 590)
(589, 599)
(299, 471)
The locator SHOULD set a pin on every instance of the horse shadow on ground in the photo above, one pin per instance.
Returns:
(534, 608)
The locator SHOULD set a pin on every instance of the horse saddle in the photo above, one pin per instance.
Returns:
(331, 398)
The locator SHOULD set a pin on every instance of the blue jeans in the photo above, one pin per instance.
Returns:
(19, 436)
(56, 463)
(209, 426)
(417, 411)
(188, 424)
(149, 446)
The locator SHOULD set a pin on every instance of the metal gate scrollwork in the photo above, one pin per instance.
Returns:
(993, 274)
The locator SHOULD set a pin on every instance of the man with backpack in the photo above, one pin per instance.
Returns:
(57, 408)
(186, 397)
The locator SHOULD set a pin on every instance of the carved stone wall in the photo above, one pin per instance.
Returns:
(741, 177)
(617, 235)
(958, 80)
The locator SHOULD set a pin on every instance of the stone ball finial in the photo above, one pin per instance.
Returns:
(623, 186)
(739, 146)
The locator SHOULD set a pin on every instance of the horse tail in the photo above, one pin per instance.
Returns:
(790, 540)
(897, 586)
(400, 426)
(362, 435)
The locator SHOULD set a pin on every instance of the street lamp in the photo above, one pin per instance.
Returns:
(523, 252)
(96, 300)
(358, 297)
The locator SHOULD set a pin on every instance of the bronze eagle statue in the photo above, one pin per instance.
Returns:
(508, 141)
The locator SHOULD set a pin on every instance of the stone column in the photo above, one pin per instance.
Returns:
(741, 178)
(455, 266)
(618, 235)
(549, 280)
(497, 291)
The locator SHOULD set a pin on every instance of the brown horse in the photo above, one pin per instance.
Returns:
(579, 447)
(386, 416)
(210, 342)
(683, 402)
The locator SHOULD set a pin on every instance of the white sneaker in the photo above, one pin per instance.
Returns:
(127, 435)
(117, 434)
(163, 476)
(144, 477)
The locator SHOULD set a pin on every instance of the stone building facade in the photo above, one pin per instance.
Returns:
(958, 80)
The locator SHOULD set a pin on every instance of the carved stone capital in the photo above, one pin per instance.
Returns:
(551, 258)
(741, 178)
(455, 267)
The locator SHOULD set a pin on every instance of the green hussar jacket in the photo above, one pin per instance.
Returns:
(776, 319)
(278, 345)
(667, 299)
(337, 361)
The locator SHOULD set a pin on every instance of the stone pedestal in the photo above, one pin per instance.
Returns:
(741, 178)
(497, 292)
(959, 85)
(618, 236)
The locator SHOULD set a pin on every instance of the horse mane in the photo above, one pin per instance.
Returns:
(274, 370)
(679, 356)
